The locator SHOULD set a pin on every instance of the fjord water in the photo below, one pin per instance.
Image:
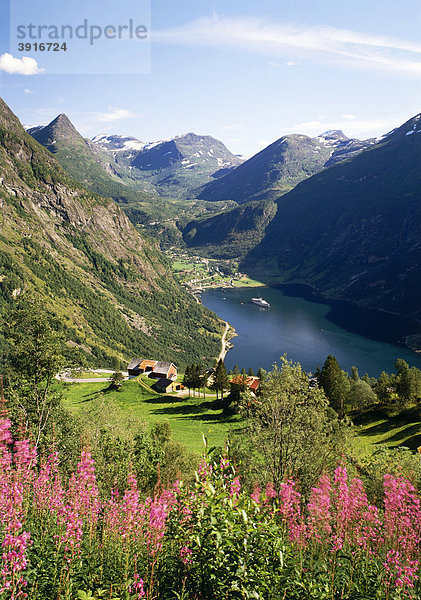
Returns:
(308, 329)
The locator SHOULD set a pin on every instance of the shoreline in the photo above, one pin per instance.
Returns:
(413, 342)
(226, 345)
(404, 331)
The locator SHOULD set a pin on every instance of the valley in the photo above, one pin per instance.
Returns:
(278, 217)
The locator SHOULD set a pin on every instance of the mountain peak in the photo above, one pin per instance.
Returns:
(405, 131)
(60, 129)
(118, 143)
(63, 122)
(334, 135)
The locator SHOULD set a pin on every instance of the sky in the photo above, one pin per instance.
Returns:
(245, 72)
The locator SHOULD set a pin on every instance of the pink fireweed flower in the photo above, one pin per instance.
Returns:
(186, 555)
(270, 492)
(14, 562)
(5, 459)
(224, 463)
(342, 505)
(49, 494)
(131, 510)
(256, 494)
(319, 510)
(204, 470)
(83, 490)
(137, 586)
(402, 515)
(5, 435)
(14, 487)
(24, 458)
(235, 487)
(289, 509)
(402, 572)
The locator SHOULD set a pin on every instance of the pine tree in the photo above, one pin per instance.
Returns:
(188, 378)
(334, 383)
(221, 381)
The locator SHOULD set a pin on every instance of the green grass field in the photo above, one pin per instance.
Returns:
(183, 265)
(188, 420)
(247, 282)
(389, 426)
(89, 375)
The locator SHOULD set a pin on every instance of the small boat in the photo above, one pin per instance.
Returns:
(261, 302)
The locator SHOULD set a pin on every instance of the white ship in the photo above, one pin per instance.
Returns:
(260, 302)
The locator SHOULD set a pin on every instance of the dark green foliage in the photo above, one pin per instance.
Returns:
(220, 379)
(230, 234)
(34, 356)
(193, 377)
(291, 431)
(116, 380)
(385, 387)
(334, 383)
(407, 382)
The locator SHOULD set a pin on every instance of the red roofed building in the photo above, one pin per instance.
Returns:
(249, 381)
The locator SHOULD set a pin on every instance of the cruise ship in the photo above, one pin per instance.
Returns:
(260, 302)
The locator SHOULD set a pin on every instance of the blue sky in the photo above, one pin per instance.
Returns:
(243, 71)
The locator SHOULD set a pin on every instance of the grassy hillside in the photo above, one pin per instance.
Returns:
(188, 418)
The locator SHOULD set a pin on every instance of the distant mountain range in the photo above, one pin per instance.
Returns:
(281, 166)
(111, 287)
(339, 214)
(352, 231)
(171, 168)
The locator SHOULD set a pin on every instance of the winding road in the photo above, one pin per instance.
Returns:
(224, 348)
(66, 377)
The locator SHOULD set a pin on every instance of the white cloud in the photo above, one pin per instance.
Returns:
(349, 117)
(116, 114)
(291, 63)
(19, 66)
(321, 44)
(27, 91)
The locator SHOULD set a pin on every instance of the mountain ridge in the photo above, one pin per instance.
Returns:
(111, 286)
(352, 230)
(279, 167)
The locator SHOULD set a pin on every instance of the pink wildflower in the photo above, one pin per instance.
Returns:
(137, 586)
(186, 555)
(256, 494)
(235, 487)
(319, 510)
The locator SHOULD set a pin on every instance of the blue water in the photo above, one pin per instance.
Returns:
(308, 329)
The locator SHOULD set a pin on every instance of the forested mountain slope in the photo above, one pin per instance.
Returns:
(111, 287)
(353, 230)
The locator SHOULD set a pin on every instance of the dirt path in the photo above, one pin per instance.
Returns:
(224, 348)
(65, 376)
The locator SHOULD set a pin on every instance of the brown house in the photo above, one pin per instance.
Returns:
(166, 386)
(164, 370)
(157, 369)
(248, 381)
